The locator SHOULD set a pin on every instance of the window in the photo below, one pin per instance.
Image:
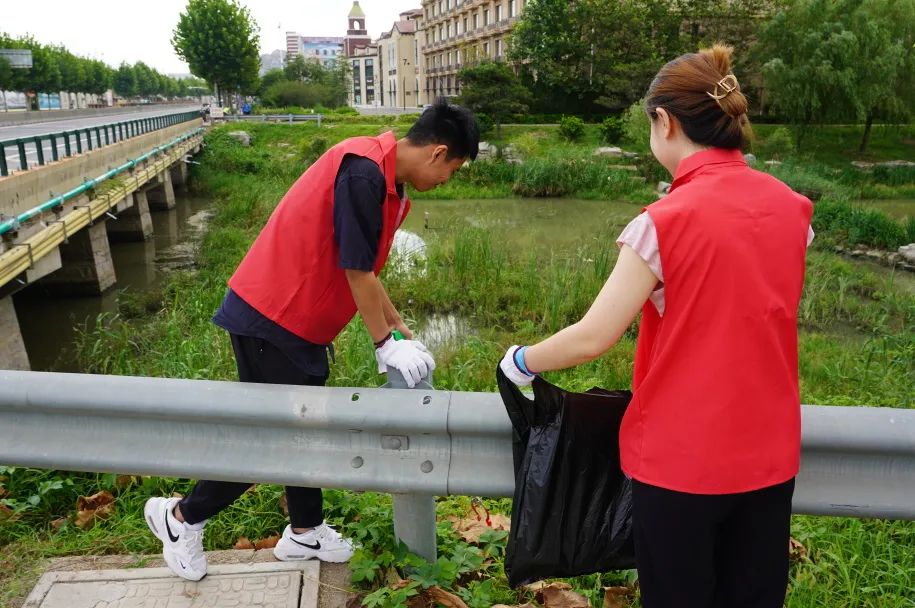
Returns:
(498, 13)
(448, 32)
(486, 49)
(449, 58)
(498, 48)
(441, 33)
(511, 8)
(486, 17)
(369, 73)
(457, 56)
(465, 25)
(476, 21)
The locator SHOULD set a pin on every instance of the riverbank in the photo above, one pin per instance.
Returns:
(498, 273)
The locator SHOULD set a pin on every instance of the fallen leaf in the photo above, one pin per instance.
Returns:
(558, 595)
(527, 605)
(471, 529)
(5, 510)
(796, 551)
(57, 523)
(440, 596)
(284, 505)
(90, 508)
(123, 481)
(617, 597)
(538, 586)
(96, 501)
(243, 544)
(177, 495)
(266, 543)
(3, 492)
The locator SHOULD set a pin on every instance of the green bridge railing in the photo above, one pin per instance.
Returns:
(54, 146)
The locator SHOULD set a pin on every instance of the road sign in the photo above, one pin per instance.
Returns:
(18, 58)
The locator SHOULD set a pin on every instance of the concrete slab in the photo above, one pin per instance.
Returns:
(263, 584)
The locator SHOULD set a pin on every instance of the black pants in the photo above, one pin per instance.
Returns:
(258, 361)
(722, 551)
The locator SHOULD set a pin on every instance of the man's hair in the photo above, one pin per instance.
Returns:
(447, 125)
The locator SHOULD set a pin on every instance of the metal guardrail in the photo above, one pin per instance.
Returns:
(67, 143)
(290, 118)
(856, 461)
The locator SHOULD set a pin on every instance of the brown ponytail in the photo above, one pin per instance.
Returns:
(704, 96)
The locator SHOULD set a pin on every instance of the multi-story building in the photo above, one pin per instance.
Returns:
(365, 76)
(463, 32)
(399, 63)
(317, 49)
(322, 50)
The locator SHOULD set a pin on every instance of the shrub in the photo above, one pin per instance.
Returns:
(611, 129)
(778, 145)
(636, 126)
(485, 123)
(572, 128)
(851, 225)
(299, 94)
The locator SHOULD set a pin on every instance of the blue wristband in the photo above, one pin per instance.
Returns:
(518, 357)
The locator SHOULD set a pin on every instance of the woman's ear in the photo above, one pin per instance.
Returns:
(665, 123)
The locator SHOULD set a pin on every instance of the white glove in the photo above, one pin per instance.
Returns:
(409, 357)
(511, 369)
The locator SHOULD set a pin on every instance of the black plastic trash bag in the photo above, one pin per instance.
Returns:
(572, 512)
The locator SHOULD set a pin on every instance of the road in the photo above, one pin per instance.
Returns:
(83, 122)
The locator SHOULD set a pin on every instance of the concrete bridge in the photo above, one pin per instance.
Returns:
(66, 194)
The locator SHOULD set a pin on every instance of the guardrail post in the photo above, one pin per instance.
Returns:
(23, 159)
(39, 149)
(4, 170)
(414, 514)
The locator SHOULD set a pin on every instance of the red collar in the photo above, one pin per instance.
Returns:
(712, 156)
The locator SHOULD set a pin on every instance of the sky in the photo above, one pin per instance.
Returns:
(134, 30)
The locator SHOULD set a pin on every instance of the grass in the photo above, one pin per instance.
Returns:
(856, 347)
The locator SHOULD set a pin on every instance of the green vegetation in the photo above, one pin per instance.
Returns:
(307, 85)
(856, 348)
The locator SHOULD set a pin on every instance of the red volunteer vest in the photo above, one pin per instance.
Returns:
(716, 404)
(290, 274)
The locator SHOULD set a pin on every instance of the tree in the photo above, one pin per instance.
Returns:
(6, 75)
(587, 52)
(825, 60)
(218, 39)
(493, 89)
(125, 82)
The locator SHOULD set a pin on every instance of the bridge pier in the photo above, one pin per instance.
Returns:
(134, 223)
(179, 175)
(88, 268)
(12, 348)
(161, 193)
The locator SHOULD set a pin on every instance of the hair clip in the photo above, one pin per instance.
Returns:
(728, 84)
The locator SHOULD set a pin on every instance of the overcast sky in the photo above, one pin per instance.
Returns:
(133, 30)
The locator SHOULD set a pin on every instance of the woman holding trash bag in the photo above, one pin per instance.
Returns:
(711, 437)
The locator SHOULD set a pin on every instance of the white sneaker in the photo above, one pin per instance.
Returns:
(322, 542)
(182, 544)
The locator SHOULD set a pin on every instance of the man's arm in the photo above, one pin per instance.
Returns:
(372, 301)
(392, 316)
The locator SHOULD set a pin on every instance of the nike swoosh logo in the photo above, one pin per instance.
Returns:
(171, 536)
(314, 547)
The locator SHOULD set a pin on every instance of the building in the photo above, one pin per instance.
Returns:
(463, 32)
(317, 49)
(357, 35)
(399, 62)
(365, 73)
(322, 50)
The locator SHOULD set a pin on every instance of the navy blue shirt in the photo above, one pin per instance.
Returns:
(359, 193)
